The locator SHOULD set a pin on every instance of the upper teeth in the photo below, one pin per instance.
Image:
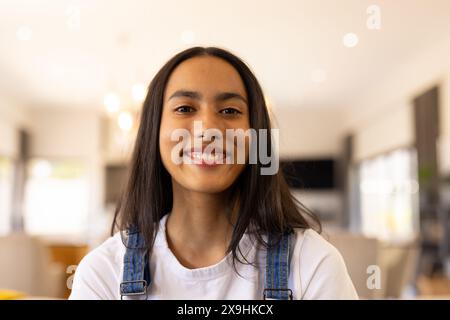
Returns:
(206, 157)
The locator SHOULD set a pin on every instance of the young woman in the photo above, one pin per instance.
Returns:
(208, 229)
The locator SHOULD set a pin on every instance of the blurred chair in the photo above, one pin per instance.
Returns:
(401, 263)
(25, 265)
(360, 252)
(397, 263)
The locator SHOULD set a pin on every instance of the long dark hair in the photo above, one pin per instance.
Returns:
(263, 203)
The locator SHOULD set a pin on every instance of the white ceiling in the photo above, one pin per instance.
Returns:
(123, 42)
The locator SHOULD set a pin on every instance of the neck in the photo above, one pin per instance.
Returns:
(198, 228)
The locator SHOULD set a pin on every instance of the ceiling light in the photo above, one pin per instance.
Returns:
(139, 92)
(111, 102)
(125, 121)
(350, 40)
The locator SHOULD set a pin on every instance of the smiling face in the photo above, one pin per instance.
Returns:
(209, 90)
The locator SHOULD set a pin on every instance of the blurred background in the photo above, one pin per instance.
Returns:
(360, 91)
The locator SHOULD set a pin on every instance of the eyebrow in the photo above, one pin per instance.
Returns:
(229, 95)
(197, 96)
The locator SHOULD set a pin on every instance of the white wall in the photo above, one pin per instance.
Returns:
(65, 133)
(309, 133)
(8, 138)
(12, 118)
(386, 132)
(382, 118)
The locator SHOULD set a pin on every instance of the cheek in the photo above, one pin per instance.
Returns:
(165, 143)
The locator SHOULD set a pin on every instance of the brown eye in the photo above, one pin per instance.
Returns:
(230, 111)
(184, 109)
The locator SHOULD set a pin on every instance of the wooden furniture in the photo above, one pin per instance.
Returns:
(69, 256)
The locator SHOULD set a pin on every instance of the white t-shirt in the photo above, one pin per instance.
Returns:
(317, 271)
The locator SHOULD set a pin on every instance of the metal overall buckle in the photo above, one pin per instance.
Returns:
(288, 290)
(144, 292)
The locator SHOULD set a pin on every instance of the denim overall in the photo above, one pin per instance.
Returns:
(136, 271)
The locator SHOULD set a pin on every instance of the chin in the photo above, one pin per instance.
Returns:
(206, 186)
(205, 180)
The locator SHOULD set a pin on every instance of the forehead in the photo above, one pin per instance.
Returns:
(207, 75)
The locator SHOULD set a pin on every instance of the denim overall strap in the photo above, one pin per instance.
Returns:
(136, 275)
(277, 269)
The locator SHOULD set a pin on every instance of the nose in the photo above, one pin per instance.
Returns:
(211, 126)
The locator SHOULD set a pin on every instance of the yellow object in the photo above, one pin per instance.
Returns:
(10, 294)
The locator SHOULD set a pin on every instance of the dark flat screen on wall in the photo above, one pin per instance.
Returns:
(316, 174)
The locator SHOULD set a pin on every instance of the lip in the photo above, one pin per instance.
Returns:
(197, 156)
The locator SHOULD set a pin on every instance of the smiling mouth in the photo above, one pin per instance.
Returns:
(202, 158)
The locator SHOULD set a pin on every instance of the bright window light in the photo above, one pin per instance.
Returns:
(56, 198)
(389, 196)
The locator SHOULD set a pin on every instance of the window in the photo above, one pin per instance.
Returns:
(56, 197)
(389, 196)
(6, 194)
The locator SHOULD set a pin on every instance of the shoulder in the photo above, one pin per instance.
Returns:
(315, 254)
(320, 268)
(98, 274)
(308, 241)
(112, 248)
